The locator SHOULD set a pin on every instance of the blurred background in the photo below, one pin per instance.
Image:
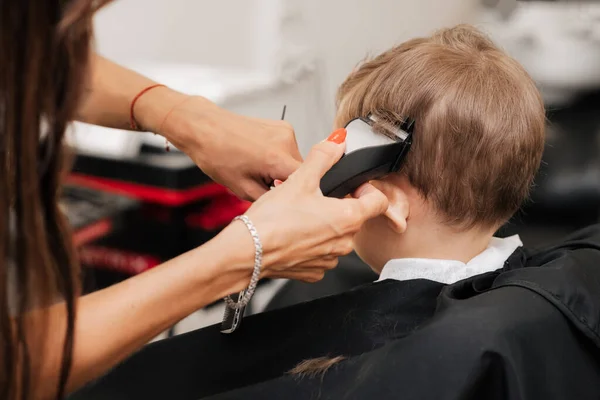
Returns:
(133, 205)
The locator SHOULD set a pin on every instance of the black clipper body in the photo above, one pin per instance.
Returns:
(368, 156)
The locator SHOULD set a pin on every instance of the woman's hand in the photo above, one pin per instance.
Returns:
(302, 232)
(245, 154)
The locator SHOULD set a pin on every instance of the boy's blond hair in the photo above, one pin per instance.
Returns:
(480, 121)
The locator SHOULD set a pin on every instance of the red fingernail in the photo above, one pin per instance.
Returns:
(277, 182)
(338, 136)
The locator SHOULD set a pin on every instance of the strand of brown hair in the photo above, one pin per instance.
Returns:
(315, 367)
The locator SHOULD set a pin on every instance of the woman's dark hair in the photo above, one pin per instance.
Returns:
(44, 53)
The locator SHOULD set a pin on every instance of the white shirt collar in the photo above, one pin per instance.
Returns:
(451, 271)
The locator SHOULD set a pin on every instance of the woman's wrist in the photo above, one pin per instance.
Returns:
(232, 251)
(159, 111)
(152, 107)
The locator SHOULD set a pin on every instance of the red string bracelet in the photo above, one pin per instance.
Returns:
(133, 124)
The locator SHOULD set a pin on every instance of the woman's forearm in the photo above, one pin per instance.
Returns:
(112, 88)
(245, 154)
(114, 322)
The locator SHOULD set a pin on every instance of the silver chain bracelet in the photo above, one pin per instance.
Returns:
(245, 295)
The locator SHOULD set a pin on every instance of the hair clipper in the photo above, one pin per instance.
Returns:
(369, 155)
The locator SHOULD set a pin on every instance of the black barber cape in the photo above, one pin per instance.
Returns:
(528, 331)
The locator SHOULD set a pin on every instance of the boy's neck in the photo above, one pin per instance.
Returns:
(439, 242)
(454, 247)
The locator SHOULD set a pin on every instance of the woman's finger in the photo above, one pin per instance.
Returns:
(306, 271)
(310, 266)
(284, 167)
(326, 263)
(252, 190)
(304, 276)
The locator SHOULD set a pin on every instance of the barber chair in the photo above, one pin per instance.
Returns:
(351, 272)
(528, 331)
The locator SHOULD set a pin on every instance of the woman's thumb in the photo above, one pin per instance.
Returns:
(323, 155)
(372, 201)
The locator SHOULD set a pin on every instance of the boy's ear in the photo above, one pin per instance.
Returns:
(398, 208)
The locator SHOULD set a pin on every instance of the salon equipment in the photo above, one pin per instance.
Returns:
(92, 214)
(178, 208)
(95, 216)
(369, 155)
(498, 335)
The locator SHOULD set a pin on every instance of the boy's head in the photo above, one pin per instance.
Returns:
(477, 144)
